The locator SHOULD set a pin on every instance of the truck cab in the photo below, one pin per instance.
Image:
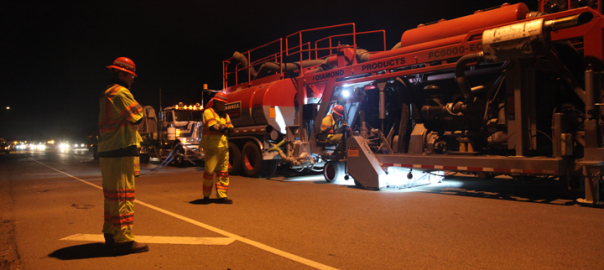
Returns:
(186, 121)
(178, 124)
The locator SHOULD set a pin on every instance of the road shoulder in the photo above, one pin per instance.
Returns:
(9, 257)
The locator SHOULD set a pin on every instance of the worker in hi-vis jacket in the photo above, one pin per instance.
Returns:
(330, 126)
(217, 127)
(118, 146)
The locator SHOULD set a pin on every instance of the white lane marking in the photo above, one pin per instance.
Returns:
(41, 174)
(214, 229)
(178, 240)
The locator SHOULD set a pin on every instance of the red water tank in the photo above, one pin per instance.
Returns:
(266, 104)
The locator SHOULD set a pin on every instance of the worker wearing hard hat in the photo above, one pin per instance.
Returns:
(214, 141)
(118, 146)
(330, 126)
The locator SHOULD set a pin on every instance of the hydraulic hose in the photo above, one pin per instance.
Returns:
(272, 66)
(184, 155)
(175, 151)
(460, 76)
(239, 57)
(397, 46)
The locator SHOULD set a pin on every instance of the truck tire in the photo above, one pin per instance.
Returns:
(251, 160)
(270, 167)
(144, 158)
(234, 159)
(333, 171)
(573, 185)
(95, 153)
(180, 161)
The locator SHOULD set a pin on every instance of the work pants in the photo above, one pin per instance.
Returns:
(137, 166)
(216, 161)
(118, 189)
(334, 139)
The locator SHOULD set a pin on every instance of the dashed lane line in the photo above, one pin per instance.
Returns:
(253, 243)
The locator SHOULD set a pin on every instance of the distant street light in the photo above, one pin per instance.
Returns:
(8, 108)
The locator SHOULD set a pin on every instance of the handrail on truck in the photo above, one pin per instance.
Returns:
(344, 35)
(298, 49)
(299, 34)
(251, 63)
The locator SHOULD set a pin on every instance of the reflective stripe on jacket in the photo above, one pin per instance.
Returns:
(212, 138)
(118, 112)
(328, 124)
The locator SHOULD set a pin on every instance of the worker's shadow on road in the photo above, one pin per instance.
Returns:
(79, 252)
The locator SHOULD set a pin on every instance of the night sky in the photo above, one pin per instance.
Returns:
(53, 53)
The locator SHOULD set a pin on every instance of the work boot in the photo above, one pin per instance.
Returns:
(206, 200)
(109, 242)
(130, 247)
(224, 200)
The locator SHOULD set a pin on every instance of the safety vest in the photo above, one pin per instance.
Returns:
(211, 138)
(328, 124)
(118, 112)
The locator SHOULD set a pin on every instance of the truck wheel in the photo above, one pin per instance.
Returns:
(95, 153)
(270, 167)
(251, 160)
(573, 185)
(234, 159)
(144, 158)
(180, 161)
(333, 171)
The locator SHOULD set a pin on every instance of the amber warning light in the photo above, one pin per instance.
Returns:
(181, 106)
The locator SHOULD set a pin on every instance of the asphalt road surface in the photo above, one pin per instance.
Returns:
(54, 202)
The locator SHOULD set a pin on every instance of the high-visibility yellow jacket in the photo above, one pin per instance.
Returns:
(211, 138)
(119, 112)
(328, 124)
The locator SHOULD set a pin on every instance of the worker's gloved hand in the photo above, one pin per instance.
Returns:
(331, 132)
(344, 128)
(227, 131)
(218, 127)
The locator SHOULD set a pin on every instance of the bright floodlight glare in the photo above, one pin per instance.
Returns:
(280, 120)
(399, 177)
(345, 93)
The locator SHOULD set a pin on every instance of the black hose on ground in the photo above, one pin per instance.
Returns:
(173, 153)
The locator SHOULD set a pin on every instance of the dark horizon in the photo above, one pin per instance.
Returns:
(54, 54)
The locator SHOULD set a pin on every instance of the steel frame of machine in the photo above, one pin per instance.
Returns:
(439, 58)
